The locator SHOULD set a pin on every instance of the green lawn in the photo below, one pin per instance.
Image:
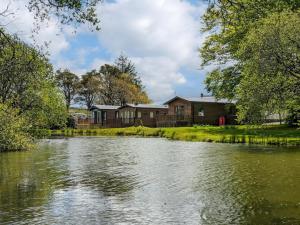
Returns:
(275, 134)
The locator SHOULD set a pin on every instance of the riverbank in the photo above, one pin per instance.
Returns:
(266, 135)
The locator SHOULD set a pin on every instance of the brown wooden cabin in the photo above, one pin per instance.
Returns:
(105, 116)
(141, 114)
(204, 110)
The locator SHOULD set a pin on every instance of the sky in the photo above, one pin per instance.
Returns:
(161, 37)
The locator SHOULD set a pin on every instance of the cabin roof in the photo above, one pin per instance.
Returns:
(208, 99)
(105, 107)
(145, 106)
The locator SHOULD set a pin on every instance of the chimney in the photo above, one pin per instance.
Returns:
(202, 95)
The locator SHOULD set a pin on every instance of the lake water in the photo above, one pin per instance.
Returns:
(96, 180)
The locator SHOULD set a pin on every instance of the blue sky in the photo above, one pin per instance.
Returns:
(160, 36)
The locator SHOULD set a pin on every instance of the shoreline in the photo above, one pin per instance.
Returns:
(262, 135)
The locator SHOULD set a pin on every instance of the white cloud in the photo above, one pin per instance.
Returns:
(159, 75)
(162, 36)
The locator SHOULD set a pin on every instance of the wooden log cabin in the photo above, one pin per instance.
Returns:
(205, 110)
(178, 111)
(105, 116)
(141, 114)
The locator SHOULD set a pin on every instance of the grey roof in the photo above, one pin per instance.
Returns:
(146, 106)
(105, 107)
(208, 99)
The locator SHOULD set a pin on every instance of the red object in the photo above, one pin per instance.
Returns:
(221, 121)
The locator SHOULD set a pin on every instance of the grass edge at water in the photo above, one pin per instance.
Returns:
(265, 135)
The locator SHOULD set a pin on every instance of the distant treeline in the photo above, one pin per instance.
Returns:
(114, 84)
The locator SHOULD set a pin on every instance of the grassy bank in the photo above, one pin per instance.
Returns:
(267, 135)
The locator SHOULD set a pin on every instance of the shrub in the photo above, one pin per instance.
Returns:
(71, 123)
(14, 129)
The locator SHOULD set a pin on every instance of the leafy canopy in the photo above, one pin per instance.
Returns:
(257, 47)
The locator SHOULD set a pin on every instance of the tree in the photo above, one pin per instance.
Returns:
(68, 82)
(22, 69)
(257, 43)
(108, 93)
(223, 82)
(110, 86)
(273, 45)
(129, 92)
(27, 83)
(270, 56)
(119, 88)
(260, 97)
(228, 23)
(89, 89)
(47, 108)
(125, 65)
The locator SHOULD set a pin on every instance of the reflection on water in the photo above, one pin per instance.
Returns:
(149, 181)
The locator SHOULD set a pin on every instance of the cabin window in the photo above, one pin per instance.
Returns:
(151, 114)
(179, 110)
(95, 117)
(139, 115)
(201, 112)
(131, 114)
(104, 116)
(117, 115)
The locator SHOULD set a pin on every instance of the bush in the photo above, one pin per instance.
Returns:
(14, 128)
(71, 123)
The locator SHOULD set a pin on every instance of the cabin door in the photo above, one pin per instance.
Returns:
(103, 117)
(95, 117)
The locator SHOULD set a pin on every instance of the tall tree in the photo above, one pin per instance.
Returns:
(89, 89)
(128, 92)
(257, 45)
(27, 83)
(119, 88)
(270, 55)
(125, 65)
(69, 83)
(108, 75)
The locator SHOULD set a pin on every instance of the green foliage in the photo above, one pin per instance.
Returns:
(223, 83)
(272, 46)
(293, 117)
(73, 12)
(229, 22)
(23, 70)
(270, 56)
(125, 65)
(13, 130)
(258, 43)
(27, 84)
(48, 109)
(89, 88)
(113, 85)
(69, 84)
